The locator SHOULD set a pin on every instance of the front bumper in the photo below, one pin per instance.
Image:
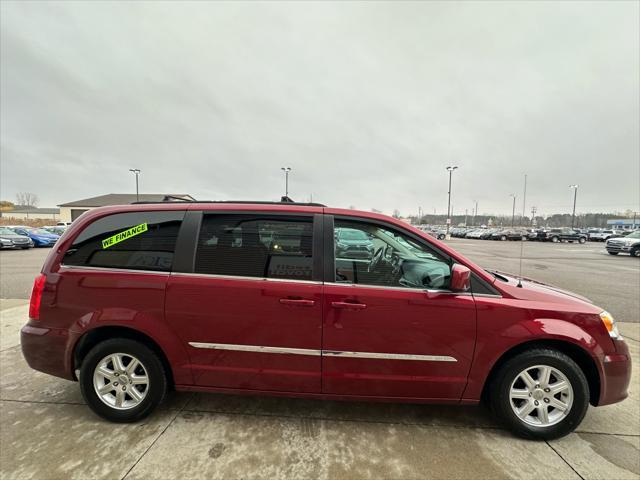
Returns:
(615, 375)
(48, 350)
(619, 248)
(12, 246)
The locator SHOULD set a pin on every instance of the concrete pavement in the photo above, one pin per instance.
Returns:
(47, 432)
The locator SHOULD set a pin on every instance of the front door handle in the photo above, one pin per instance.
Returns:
(349, 305)
(297, 302)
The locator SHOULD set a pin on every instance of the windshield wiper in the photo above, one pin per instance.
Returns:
(498, 276)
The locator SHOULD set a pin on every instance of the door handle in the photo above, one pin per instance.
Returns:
(297, 302)
(349, 305)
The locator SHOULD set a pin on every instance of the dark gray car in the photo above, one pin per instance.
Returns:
(10, 239)
(352, 243)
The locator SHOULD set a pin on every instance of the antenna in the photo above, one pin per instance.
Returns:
(524, 205)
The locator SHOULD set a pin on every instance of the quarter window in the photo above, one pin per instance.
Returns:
(256, 246)
(136, 240)
(369, 254)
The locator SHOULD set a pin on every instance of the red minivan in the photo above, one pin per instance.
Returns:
(308, 301)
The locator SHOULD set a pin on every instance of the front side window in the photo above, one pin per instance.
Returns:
(135, 240)
(369, 254)
(258, 246)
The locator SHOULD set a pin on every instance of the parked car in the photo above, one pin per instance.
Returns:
(475, 233)
(10, 239)
(439, 233)
(628, 244)
(509, 234)
(353, 243)
(556, 235)
(137, 299)
(601, 235)
(486, 234)
(55, 229)
(40, 237)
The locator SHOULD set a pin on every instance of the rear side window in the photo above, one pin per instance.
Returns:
(256, 246)
(136, 241)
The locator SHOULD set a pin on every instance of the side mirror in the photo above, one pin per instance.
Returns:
(460, 278)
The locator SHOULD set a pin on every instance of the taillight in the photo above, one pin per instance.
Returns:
(36, 297)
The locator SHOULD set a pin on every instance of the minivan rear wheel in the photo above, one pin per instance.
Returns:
(122, 380)
(540, 394)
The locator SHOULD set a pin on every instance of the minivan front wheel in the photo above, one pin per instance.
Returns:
(122, 380)
(541, 394)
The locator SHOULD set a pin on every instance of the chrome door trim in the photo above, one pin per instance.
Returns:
(239, 277)
(390, 356)
(255, 348)
(111, 269)
(332, 353)
(399, 289)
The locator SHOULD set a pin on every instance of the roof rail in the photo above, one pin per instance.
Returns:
(244, 202)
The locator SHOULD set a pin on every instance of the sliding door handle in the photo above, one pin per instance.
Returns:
(349, 305)
(297, 302)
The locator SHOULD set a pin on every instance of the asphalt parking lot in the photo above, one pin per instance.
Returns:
(47, 432)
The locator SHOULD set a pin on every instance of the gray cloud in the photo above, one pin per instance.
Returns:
(368, 102)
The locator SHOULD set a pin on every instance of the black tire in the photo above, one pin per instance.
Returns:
(508, 372)
(635, 252)
(157, 386)
(582, 240)
(555, 239)
(612, 253)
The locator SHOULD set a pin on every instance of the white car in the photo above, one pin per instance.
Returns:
(601, 235)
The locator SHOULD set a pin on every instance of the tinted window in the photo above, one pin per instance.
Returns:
(137, 241)
(256, 246)
(384, 257)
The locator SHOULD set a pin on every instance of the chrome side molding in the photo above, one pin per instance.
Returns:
(329, 353)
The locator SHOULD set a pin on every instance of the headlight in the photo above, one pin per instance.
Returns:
(5, 241)
(610, 324)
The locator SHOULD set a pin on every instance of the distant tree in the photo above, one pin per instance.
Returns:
(27, 199)
(6, 205)
(375, 210)
(352, 207)
(396, 213)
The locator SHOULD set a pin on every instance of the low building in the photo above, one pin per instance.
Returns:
(72, 210)
(52, 214)
(624, 223)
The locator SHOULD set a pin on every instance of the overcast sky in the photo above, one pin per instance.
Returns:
(367, 102)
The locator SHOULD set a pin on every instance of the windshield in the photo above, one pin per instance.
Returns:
(350, 234)
(635, 234)
(6, 231)
(39, 231)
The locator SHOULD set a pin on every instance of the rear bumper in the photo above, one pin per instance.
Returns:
(47, 350)
(616, 375)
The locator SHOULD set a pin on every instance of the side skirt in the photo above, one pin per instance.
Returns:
(324, 396)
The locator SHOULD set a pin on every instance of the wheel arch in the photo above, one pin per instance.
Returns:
(573, 351)
(94, 336)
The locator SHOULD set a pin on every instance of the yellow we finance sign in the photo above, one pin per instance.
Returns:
(124, 235)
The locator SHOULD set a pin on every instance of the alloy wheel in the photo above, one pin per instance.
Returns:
(121, 381)
(541, 396)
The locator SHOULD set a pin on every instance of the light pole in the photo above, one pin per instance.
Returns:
(475, 213)
(136, 172)
(450, 169)
(286, 171)
(575, 195)
(513, 212)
